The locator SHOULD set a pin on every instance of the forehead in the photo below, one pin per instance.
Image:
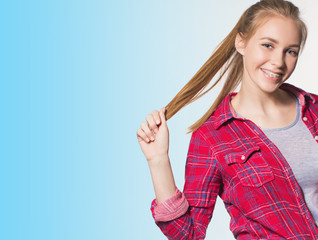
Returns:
(282, 29)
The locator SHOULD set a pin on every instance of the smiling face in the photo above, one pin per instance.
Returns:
(270, 55)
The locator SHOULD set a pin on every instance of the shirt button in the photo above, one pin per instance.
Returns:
(243, 157)
(305, 118)
(316, 137)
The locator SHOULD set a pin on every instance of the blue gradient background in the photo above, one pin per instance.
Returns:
(77, 79)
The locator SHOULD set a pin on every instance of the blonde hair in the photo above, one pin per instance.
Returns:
(228, 60)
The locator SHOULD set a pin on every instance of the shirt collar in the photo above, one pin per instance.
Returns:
(302, 95)
(225, 111)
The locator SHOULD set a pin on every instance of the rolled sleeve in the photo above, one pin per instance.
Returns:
(170, 209)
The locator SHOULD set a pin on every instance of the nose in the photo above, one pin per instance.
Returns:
(278, 59)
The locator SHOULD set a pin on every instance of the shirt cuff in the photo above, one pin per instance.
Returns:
(170, 209)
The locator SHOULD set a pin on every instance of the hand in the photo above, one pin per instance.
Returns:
(153, 136)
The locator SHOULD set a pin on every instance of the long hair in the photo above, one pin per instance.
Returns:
(225, 60)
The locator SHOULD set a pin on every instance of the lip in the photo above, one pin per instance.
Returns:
(269, 77)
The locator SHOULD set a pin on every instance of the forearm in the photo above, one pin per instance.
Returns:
(162, 178)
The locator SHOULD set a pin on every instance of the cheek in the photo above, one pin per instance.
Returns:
(262, 56)
(294, 62)
(291, 64)
(256, 56)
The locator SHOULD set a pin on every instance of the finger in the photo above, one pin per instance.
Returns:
(151, 122)
(147, 131)
(142, 136)
(156, 117)
(162, 115)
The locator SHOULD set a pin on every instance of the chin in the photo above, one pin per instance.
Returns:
(270, 87)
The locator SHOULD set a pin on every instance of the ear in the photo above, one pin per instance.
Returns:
(239, 44)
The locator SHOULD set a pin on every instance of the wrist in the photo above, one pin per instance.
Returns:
(159, 160)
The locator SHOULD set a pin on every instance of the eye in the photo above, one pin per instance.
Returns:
(292, 52)
(267, 45)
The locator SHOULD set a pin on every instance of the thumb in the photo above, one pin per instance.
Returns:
(162, 114)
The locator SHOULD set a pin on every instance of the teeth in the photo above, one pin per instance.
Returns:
(271, 74)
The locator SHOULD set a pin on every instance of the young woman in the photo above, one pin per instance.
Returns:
(257, 148)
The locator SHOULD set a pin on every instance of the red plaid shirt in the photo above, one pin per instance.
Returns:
(231, 157)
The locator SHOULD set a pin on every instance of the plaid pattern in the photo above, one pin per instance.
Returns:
(231, 157)
(172, 208)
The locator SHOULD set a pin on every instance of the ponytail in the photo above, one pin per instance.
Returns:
(224, 53)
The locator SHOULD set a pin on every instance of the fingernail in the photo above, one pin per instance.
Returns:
(157, 121)
(147, 139)
(152, 138)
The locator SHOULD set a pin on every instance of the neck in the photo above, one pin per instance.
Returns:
(249, 101)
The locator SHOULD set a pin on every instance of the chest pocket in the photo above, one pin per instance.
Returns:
(250, 167)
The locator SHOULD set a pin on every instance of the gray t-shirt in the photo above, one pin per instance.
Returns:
(300, 149)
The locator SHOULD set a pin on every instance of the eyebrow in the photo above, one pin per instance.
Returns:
(275, 41)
